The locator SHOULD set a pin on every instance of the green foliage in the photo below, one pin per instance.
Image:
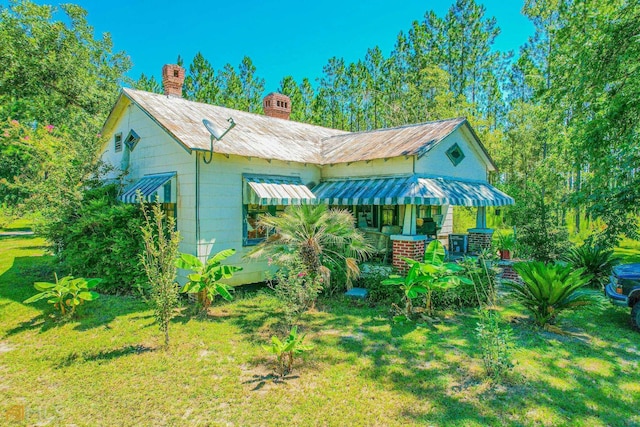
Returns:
(161, 242)
(596, 262)
(371, 278)
(479, 291)
(424, 277)
(285, 351)
(66, 294)
(541, 237)
(496, 344)
(205, 278)
(315, 237)
(102, 238)
(57, 85)
(549, 289)
(296, 290)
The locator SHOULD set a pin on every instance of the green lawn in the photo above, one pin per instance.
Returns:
(107, 368)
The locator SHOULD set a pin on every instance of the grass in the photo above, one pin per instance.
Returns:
(107, 367)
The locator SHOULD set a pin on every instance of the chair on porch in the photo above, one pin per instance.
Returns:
(380, 244)
(429, 228)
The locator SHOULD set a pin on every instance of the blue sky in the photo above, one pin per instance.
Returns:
(281, 37)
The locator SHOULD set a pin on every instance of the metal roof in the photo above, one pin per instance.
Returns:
(147, 186)
(412, 189)
(270, 190)
(260, 136)
(255, 135)
(386, 143)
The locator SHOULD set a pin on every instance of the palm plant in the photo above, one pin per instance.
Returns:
(596, 261)
(549, 289)
(320, 238)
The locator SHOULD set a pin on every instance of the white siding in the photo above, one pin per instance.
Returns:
(437, 163)
(221, 217)
(156, 152)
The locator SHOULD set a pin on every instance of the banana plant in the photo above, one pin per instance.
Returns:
(66, 294)
(424, 277)
(285, 351)
(205, 278)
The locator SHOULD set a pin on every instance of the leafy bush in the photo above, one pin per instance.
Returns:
(496, 344)
(102, 239)
(295, 289)
(285, 351)
(549, 289)
(541, 237)
(371, 277)
(478, 291)
(425, 277)
(597, 263)
(66, 294)
(205, 279)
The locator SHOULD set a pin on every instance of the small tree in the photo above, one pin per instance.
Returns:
(160, 252)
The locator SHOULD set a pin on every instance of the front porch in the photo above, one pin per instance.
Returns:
(400, 215)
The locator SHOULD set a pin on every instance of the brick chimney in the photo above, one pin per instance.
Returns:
(277, 105)
(172, 80)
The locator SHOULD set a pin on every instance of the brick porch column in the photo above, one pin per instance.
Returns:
(479, 239)
(408, 247)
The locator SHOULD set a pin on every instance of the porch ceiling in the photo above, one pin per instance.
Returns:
(409, 190)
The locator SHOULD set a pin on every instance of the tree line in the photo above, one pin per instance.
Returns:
(560, 116)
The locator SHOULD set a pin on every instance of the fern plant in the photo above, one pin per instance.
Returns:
(596, 261)
(549, 289)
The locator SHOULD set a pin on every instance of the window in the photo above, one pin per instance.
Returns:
(455, 154)
(132, 139)
(253, 233)
(389, 214)
(367, 216)
(117, 141)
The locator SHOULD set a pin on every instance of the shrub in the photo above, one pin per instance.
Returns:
(102, 239)
(478, 291)
(425, 277)
(66, 294)
(295, 290)
(597, 263)
(549, 289)
(371, 277)
(496, 343)
(161, 242)
(540, 237)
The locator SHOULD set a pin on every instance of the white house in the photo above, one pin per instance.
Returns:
(393, 180)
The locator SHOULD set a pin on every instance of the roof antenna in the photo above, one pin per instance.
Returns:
(216, 134)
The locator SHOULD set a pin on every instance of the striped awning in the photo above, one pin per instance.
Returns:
(271, 190)
(409, 190)
(148, 186)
